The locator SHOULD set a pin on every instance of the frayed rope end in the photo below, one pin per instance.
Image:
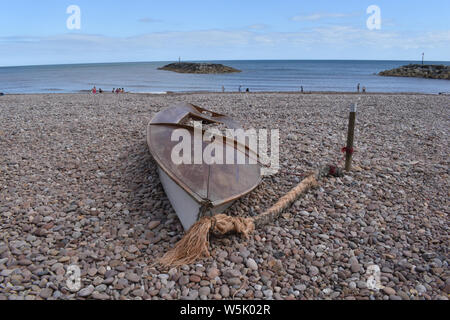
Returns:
(195, 243)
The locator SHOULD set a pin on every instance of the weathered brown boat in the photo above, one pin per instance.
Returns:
(195, 190)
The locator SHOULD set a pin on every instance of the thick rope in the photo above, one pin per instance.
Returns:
(195, 243)
(274, 212)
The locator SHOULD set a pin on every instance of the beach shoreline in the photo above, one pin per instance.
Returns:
(277, 75)
(78, 187)
(87, 92)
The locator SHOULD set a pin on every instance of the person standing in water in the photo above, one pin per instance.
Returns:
(357, 87)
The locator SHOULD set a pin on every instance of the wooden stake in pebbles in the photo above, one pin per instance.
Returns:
(351, 131)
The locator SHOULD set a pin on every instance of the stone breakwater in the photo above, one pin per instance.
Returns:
(419, 71)
(204, 68)
(78, 187)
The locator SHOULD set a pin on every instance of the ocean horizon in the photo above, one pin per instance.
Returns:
(256, 75)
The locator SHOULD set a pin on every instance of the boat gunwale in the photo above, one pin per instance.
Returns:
(188, 109)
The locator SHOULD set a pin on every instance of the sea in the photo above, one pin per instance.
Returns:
(256, 75)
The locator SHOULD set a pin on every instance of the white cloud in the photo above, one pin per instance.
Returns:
(148, 20)
(319, 16)
(343, 35)
(258, 26)
(222, 44)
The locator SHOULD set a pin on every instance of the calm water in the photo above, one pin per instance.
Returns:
(273, 75)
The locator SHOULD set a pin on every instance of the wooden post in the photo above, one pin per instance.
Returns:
(350, 135)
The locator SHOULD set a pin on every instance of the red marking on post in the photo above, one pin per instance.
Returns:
(347, 150)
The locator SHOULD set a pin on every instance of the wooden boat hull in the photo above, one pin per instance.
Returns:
(198, 189)
(185, 206)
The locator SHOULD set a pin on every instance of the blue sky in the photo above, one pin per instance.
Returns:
(35, 32)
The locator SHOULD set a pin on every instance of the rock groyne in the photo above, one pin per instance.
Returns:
(202, 68)
(419, 71)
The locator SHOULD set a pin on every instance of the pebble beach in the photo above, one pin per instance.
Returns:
(78, 187)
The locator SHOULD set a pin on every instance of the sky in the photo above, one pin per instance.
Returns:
(36, 32)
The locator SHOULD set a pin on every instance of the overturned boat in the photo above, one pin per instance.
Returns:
(200, 189)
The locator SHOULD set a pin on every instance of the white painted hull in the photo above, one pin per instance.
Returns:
(186, 208)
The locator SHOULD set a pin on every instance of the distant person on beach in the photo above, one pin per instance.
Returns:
(301, 89)
(100, 90)
(247, 90)
(123, 90)
(117, 90)
(363, 89)
(114, 90)
(240, 88)
(357, 87)
(94, 90)
(223, 89)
